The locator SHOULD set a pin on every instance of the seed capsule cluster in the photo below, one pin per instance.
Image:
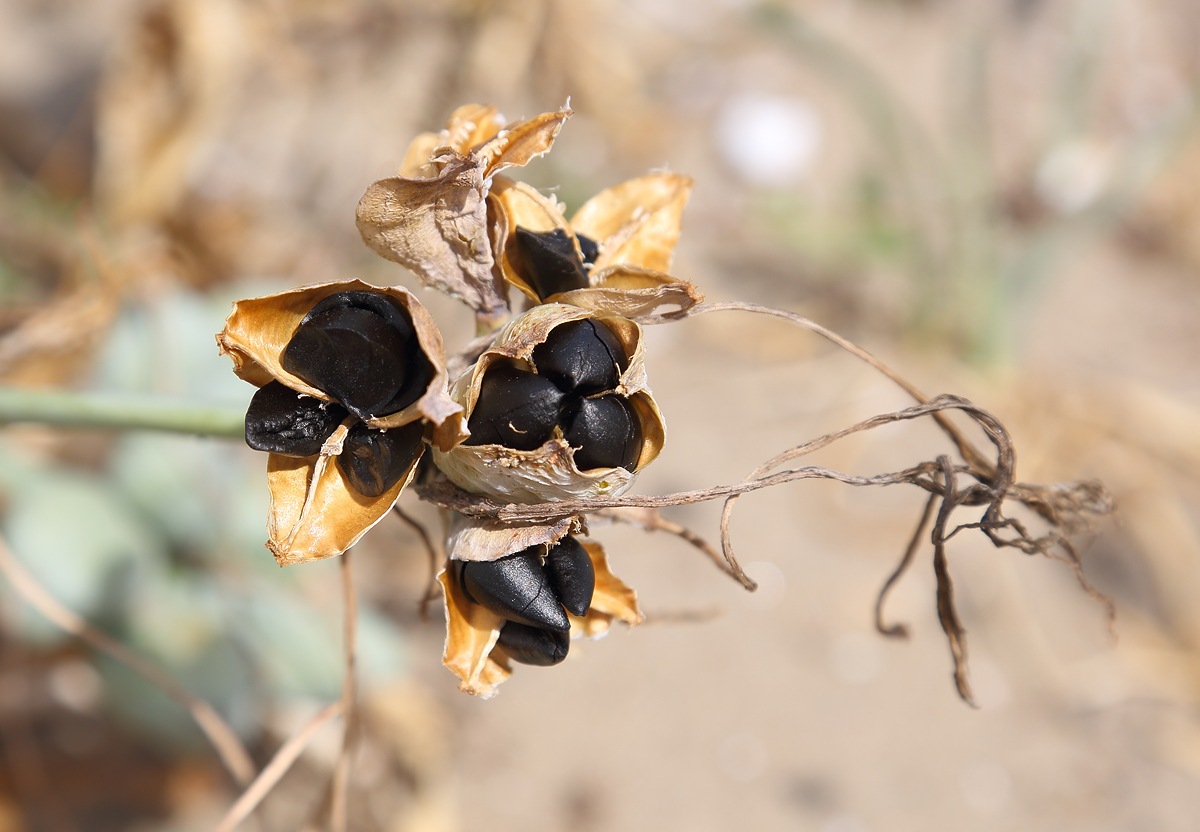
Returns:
(533, 590)
(360, 349)
(572, 387)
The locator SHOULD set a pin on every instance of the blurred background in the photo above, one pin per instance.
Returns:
(999, 199)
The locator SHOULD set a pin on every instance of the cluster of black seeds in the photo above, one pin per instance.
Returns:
(548, 261)
(534, 594)
(578, 367)
(361, 349)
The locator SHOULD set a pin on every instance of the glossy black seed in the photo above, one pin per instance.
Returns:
(517, 409)
(361, 349)
(589, 247)
(516, 587)
(375, 460)
(571, 574)
(582, 357)
(529, 645)
(282, 421)
(605, 433)
(547, 260)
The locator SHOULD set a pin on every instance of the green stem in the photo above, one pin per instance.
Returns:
(121, 411)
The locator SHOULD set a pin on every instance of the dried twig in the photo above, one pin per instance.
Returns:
(652, 521)
(435, 560)
(229, 748)
(901, 630)
(274, 771)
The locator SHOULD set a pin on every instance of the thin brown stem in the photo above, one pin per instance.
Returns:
(435, 560)
(341, 773)
(901, 630)
(274, 771)
(229, 748)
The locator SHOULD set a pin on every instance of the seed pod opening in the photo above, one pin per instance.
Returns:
(281, 421)
(548, 261)
(547, 471)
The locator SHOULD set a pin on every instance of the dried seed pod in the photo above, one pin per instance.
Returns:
(473, 631)
(515, 408)
(531, 645)
(547, 472)
(604, 433)
(571, 575)
(548, 261)
(581, 357)
(359, 348)
(281, 421)
(375, 460)
(517, 588)
(317, 508)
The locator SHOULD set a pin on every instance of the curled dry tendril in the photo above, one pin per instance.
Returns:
(976, 480)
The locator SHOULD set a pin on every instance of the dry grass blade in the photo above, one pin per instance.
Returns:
(901, 630)
(947, 613)
(341, 774)
(652, 521)
(274, 771)
(229, 748)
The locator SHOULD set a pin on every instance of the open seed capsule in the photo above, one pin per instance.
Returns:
(581, 357)
(605, 433)
(547, 261)
(361, 349)
(517, 588)
(282, 421)
(571, 574)
(530, 645)
(375, 460)
(517, 409)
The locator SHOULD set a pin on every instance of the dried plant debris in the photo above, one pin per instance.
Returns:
(548, 416)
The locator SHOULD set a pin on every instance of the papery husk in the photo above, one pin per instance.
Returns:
(637, 222)
(483, 539)
(315, 513)
(619, 283)
(471, 651)
(259, 329)
(548, 473)
(434, 220)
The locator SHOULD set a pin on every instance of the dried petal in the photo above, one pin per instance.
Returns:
(631, 292)
(471, 633)
(478, 538)
(315, 513)
(637, 222)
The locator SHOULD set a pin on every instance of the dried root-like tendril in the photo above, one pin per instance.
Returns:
(1067, 508)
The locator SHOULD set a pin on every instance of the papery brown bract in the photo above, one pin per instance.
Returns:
(433, 218)
(315, 513)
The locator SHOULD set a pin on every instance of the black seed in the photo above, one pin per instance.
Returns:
(605, 433)
(589, 247)
(571, 574)
(361, 349)
(282, 421)
(582, 357)
(517, 588)
(515, 408)
(529, 645)
(547, 260)
(375, 460)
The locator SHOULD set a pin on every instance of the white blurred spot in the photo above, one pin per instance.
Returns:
(772, 586)
(857, 659)
(743, 757)
(985, 787)
(75, 684)
(768, 139)
(1071, 176)
(844, 823)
